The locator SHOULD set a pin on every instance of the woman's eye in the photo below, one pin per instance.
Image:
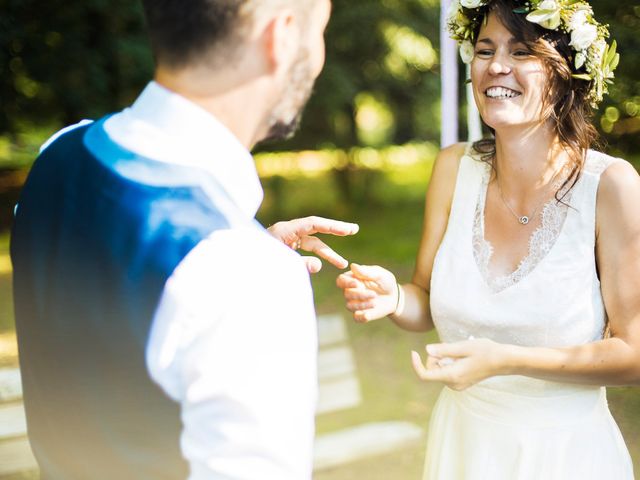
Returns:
(484, 52)
(521, 53)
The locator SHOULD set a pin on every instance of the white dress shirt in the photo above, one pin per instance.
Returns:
(234, 336)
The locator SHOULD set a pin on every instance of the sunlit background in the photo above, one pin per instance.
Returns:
(364, 154)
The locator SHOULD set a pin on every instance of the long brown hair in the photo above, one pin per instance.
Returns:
(566, 104)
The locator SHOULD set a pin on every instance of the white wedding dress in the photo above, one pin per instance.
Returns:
(516, 427)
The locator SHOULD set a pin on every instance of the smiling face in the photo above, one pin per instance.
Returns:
(509, 83)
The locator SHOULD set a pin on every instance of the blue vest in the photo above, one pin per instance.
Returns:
(93, 244)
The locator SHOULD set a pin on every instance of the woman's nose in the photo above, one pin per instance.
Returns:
(499, 66)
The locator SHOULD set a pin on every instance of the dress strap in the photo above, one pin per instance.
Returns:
(468, 183)
(468, 149)
(594, 166)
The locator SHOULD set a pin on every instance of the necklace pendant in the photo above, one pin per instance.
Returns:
(523, 220)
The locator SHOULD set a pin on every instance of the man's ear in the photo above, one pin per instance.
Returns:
(281, 40)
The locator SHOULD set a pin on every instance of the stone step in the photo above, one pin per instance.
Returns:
(16, 456)
(10, 385)
(339, 388)
(331, 330)
(366, 440)
(13, 422)
(338, 394)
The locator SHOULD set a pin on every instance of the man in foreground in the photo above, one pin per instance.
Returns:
(161, 329)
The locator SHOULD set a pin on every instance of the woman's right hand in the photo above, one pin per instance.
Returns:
(371, 292)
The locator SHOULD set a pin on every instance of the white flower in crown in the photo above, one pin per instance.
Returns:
(457, 22)
(455, 16)
(472, 3)
(467, 51)
(583, 37)
(452, 12)
(600, 46)
(594, 55)
(548, 5)
(594, 59)
(547, 15)
(578, 19)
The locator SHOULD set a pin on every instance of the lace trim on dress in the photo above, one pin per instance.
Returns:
(541, 241)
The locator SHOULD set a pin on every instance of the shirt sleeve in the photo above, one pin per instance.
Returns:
(234, 342)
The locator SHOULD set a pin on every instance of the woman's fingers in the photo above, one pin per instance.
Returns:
(359, 294)
(433, 362)
(372, 273)
(418, 366)
(369, 292)
(375, 278)
(450, 350)
(347, 280)
(364, 316)
(436, 370)
(359, 299)
(354, 306)
(457, 365)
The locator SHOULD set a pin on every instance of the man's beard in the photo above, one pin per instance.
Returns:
(287, 113)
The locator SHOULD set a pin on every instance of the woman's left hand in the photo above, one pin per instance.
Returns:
(462, 364)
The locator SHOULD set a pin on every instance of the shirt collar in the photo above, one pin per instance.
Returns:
(167, 127)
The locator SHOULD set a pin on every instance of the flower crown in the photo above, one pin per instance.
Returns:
(594, 60)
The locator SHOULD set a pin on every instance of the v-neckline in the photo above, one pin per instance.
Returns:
(483, 250)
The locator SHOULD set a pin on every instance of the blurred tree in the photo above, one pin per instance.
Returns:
(64, 61)
(619, 115)
(378, 52)
(378, 86)
(60, 62)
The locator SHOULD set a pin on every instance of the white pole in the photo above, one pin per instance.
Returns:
(449, 81)
(474, 124)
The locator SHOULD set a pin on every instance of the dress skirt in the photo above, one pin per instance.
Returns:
(487, 434)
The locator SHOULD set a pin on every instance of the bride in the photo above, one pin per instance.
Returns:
(529, 263)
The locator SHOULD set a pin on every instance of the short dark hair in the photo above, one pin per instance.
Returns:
(181, 31)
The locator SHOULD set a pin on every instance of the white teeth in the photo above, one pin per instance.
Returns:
(501, 93)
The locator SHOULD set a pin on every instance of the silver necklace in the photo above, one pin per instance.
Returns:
(525, 219)
(522, 219)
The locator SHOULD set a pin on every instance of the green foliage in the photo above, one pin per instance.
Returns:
(384, 50)
(6, 292)
(60, 63)
(381, 85)
(624, 95)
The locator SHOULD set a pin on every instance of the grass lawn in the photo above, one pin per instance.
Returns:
(390, 229)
